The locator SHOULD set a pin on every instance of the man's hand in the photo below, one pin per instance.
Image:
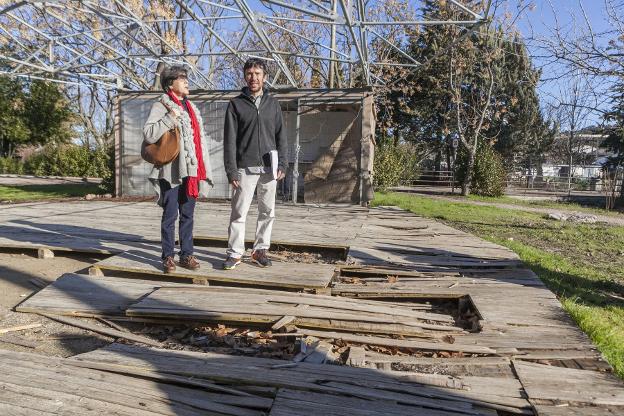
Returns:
(235, 183)
(280, 174)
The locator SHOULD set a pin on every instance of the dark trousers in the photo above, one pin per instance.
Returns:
(174, 201)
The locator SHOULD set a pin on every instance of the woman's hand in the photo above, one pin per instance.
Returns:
(174, 113)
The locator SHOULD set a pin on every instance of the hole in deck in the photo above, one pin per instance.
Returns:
(289, 251)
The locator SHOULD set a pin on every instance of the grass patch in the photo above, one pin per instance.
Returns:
(581, 263)
(545, 203)
(21, 193)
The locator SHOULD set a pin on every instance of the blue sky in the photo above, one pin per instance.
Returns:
(540, 21)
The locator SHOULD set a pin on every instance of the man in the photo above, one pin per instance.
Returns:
(253, 133)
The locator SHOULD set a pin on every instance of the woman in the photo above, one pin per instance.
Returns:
(182, 181)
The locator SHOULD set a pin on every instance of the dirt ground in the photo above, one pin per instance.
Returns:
(51, 338)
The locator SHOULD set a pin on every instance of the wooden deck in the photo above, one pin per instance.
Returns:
(527, 357)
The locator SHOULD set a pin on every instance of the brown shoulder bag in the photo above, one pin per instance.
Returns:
(165, 150)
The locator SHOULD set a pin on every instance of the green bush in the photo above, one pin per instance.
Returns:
(108, 176)
(394, 164)
(488, 176)
(11, 165)
(69, 160)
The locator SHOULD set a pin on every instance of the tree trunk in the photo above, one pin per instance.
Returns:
(467, 182)
(397, 136)
(156, 84)
(448, 175)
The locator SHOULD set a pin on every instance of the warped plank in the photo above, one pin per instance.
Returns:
(223, 304)
(147, 261)
(89, 296)
(41, 384)
(369, 383)
(391, 342)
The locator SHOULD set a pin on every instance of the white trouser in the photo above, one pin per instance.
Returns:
(241, 201)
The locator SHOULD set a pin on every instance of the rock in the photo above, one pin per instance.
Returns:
(107, 196)
(583, 218)
(90, 197)
(557, 216)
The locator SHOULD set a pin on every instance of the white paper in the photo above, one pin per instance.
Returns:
(274, 163)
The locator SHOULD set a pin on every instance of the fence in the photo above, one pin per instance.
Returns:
(529, 184)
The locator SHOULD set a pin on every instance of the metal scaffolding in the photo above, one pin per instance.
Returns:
(122, 44)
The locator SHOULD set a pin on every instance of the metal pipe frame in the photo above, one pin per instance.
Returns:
(123, 45)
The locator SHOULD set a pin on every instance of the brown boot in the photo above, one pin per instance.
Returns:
(169, 265)
(189, 262)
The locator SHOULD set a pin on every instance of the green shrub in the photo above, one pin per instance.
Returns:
(69, 160)
(107, 156)
(394, 164)
(11, 165)
(488, 176)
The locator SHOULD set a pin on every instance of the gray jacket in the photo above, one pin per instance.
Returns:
(158, 122)
(251, 132)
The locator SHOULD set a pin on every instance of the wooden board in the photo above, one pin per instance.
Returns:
(437, 393)
(565, 385)
(70, 225)
(36, 385)
(80, 295)
(147, 261)
(264, 306)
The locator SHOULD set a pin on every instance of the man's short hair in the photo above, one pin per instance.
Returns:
(170, 74)
(255, 63)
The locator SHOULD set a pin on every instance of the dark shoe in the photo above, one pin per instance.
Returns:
(189, 262)
(231, 262)
(169, 265)
(260, 258)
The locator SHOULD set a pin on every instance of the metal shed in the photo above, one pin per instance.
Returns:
(330, 136)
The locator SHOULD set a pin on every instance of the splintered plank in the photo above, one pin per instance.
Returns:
(364, 383)
(147, 261)
(88, 296)
(39, 384)
(267, 306)
(391, 342)
(566, 385)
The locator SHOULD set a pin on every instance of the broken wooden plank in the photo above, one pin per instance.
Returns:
(327, 379)
(356, 357)
(103, 331)
(263, 306)
(18, 341)
(390, 342)
(19, 328)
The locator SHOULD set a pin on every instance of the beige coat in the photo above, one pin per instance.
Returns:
(158, 122)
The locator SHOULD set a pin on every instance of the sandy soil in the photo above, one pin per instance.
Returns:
(52, 338)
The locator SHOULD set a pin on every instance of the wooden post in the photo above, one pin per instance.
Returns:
(117, 155)
(45, 253)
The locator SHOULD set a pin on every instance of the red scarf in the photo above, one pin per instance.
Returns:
(192, 185)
